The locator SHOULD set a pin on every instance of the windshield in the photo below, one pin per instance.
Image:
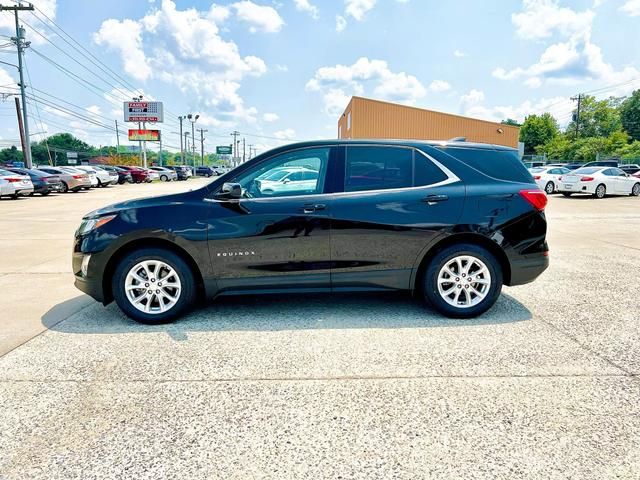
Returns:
(588, 170)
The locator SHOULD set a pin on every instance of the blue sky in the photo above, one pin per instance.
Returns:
(284, 70)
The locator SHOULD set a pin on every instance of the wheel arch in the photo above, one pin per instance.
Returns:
(128, 247)
(473, 238)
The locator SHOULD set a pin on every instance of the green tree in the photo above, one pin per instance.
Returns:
(538, 130)
(10, 155)
(510, 121)
(630, 115)
(598, 118)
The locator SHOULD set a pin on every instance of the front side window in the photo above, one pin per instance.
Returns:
(301, 172)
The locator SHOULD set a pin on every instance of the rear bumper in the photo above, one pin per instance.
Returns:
(527, 268)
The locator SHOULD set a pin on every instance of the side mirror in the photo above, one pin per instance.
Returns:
(231, 191)
(286, 180)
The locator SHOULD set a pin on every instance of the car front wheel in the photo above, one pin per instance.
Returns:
(635, 191)
(153, 285)
(462, 281)
(601, 191)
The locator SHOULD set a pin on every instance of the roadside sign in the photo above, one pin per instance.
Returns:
(144, 135)
(72, 158)
(143, 112)
(223, 150)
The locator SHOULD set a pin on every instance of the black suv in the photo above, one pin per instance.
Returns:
(450, 221)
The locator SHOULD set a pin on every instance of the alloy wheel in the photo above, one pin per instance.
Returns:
(464, 281)
(601, 191)
(152, 286)
(549, 188)
(635, 191)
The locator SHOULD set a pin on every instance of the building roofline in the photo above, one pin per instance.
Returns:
(356, 97)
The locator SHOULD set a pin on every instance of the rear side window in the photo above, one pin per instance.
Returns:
(500, 164)
(382, 168)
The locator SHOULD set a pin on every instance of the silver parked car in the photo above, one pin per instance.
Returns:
(71, 182)
(93, 179)
(103, 177)
(14, 185)
(166, 174)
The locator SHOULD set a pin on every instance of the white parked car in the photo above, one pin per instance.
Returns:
(165, 174)
(294, 179)
(103, 177)
(547, 177)
(75, 170)
(599, 182)
(152, 175)
(14, 185)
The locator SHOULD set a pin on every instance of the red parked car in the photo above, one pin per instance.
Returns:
(139, 175)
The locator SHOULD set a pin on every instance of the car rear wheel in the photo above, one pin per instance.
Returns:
(44, 194)
(635, 191)
(566, 194)
(549, 188)
(462, 281)
(164, 178)
(153, 286)
(65, 187)
(601, 191)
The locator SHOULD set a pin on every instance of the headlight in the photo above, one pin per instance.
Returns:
(92, 223)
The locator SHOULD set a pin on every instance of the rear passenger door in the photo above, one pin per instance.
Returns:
(391, 202)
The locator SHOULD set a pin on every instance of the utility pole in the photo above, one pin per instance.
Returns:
(181, 148)
(20, 127)
(235, 134)
(160, 151)
(186, 143)
(117, 138)
(244, 149)
(202, 132)
(578, 98)
(19, 40)
(250, 151)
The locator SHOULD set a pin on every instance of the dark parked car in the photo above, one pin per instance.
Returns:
(450, 221)
(139, 175)
(574, 166)
(123, 175)
(43, 183)
(183, 172)
(602, 163)
(630, 168)
(205, 171)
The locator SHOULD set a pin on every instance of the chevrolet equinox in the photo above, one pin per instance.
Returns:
(450, 221)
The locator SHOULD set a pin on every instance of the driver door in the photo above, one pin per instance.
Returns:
(277, 235)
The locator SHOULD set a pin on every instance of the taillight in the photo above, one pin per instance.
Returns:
(13, 180)
(586, 179)
(78, 177)
(536, 177)
(537, 198)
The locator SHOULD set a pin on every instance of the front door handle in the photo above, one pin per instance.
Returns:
(433, 199)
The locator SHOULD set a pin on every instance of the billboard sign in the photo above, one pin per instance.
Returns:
(144, 135)
(143, 112)
(223, 150)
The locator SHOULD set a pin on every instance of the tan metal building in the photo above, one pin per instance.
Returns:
(366, 118)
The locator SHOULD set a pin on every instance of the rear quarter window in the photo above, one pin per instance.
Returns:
(499, 164)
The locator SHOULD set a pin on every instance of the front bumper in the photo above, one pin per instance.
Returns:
(89, 281)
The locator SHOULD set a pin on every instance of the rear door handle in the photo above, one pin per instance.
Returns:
(313, 207)
(432, 199)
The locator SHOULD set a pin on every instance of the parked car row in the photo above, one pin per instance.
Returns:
(17, 181)
(598, 181)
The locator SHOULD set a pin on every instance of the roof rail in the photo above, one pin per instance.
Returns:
(457, 139)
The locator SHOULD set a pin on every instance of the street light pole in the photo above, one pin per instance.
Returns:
(181, 148)
(193, 119)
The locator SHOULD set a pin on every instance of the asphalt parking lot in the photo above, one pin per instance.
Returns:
(545, 385)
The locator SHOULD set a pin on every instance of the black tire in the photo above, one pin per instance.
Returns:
(164, 178)
(635, 190)
(14, 196)
(44, 194)
(566, 194)
(65, 187)
(601, 191)
(187, 293)
(430, 280)
(549, 188)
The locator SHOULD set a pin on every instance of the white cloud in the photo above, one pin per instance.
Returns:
(6, 79)
(472, 104)
(261, 18)
(543, 18)
(571, 61)
(308, 7)
(282, 68)
(357, 9)
(459, 54)
(631, 8)
(341, 23)
(270, 117)
(184, 48)
(47, 7)
(95, 109)
(439, 86)
(340, 82)
(126, 37)
(286, 134)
